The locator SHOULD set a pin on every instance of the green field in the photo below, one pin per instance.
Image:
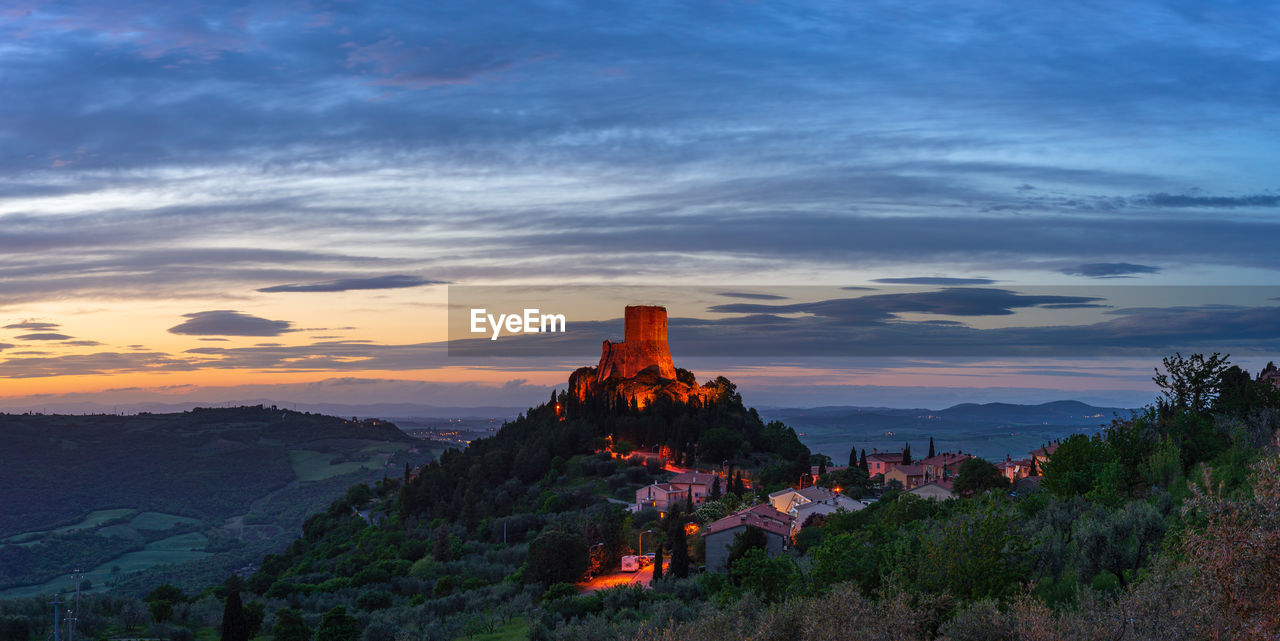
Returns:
(160, 521)
(310, 465)
(175, 549)
(94, 520)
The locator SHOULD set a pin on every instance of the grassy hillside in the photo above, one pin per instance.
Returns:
(114, 495)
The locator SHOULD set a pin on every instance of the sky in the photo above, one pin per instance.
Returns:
(219, 201)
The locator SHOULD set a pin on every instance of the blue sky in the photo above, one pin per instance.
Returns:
(329, 165)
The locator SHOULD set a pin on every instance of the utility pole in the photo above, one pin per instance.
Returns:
(73, 614)
(56, 603)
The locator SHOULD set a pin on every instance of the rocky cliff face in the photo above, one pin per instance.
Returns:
(640, 367)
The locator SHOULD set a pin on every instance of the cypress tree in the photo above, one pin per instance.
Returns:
(235, 624)
(822, 467)
(930, 447)
(715, 489)
(440, 551)
(679, 554)
(657, 563)
(906, 454)
(853, 456)
(862, 462)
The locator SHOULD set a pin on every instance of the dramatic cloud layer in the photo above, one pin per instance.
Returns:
(216, 156)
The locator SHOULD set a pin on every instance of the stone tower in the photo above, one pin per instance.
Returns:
(644, 345)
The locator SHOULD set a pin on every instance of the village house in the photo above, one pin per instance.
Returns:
(943, 466)
(719, 535)
(908, 475)
(934, 490)
(880, 462)
(1042, 454)
(809, 501)
(700, 482)
(1014, 469)
(660, 496)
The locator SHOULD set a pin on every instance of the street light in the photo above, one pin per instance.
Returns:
(640, 540)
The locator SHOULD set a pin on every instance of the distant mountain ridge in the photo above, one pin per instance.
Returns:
(1051, 412)
(993, 430)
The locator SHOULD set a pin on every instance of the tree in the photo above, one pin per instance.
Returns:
(715, 489)
(556, 556)
(906, 454)
(254, 613)
(161, 601)
(657, 563)
(1076, 465)
(1119, 542)
(440, 551)
(679, 553)
(749, 538)
(974, 555)
(930, 447)
(845, 557)
(337, 625)
(1190, 383)
(721, 444)
(977, 476)
(235, 623)
(853, 456)
(290, 626)
(862, 461)
(770, 578)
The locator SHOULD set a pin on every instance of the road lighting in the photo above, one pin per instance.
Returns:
(640, 540)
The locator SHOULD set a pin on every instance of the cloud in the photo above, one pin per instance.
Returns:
(934, 280)
(751, 296)
(394, 281)
(877, 308)
(225, 322)
(35, 325)
(1109, 270)
(44, 336)
(1213, 202)
(4, 346)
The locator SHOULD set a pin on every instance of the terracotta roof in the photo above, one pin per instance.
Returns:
(693, 478)
(946, 458)
(909, 470)
(748, 518)
(767, 511)
(663, 487)
(1047, 450)
(885, 456)
(946, 485)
